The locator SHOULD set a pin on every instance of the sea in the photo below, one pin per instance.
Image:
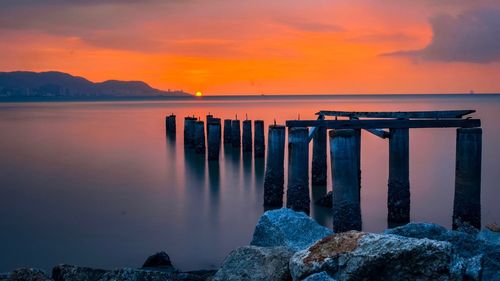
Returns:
(99, 183)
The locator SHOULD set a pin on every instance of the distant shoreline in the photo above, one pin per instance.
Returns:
(235, 97)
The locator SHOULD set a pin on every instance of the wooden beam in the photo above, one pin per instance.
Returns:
(399, 114)
(312, 131)
(389, 124)
(377, 132)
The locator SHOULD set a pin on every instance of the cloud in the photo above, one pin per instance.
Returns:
(309, 25)
(473, 36)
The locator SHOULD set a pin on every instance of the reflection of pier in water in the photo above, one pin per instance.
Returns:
(344, 134)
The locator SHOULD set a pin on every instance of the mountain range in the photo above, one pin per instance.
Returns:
(19, 84)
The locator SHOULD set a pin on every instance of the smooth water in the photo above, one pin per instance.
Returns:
(99, 184)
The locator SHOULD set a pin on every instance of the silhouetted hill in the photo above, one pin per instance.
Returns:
(57, 84)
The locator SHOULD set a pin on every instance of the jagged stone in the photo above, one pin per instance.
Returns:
(365, 256)
(252, 263)
(285, 227)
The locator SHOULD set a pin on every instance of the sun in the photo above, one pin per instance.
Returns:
(198, 94)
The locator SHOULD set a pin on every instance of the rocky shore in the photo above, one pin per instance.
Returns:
(288, 245)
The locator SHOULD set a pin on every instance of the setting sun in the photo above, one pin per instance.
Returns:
(198, 94)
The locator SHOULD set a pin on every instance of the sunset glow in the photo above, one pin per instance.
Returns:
(259, 47)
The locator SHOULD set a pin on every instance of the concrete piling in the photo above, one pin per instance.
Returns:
(189, 131)
(199, 137)
(235, 133)
(227, 130)
(259, 142)
(213, 136)
(274, 175)
(247, 136)
(345, 155)
(170, 125)
(398, 201)
(318, 166)
(467, 201)
(298, 170)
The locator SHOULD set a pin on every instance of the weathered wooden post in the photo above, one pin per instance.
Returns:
(398, 201)
(247, 136)
(259, 142)
(467, 201)
(318, 167)
(189, 131)
(345, 155)
(274, 177)
(298, 170)
(235, 133)
(213, 136)
(170, 124)
(199, 137)
(208, 118)
(227, 130)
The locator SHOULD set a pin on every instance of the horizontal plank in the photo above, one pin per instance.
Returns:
(386, 124)
(399, 114)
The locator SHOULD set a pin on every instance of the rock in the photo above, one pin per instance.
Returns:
(356, 255)
(256, 263)
(466, 246)
(66, 272)
(285, 227)
(203, 274)
(160, 259)
(325, 201)
(130, 274)
(489, 236)
(322, 276)
(27, 274)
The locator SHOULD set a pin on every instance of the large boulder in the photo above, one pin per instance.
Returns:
(285, 227)
(160, 259)
(476, 256)
(26, 274)
(357, 255)
(252, 263)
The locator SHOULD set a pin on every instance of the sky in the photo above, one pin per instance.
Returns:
(260, 46)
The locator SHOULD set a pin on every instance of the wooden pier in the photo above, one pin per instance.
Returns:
(343, 134)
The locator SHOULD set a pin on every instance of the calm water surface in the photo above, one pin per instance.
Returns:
(99, 184)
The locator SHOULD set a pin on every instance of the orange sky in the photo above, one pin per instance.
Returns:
(254, 47)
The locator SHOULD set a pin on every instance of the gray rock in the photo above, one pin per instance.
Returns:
(361, 256)
(322, 276)
(489, 236)
(252, 263)
(159, 261)
(470, 250)
(130, 274)
(285, 227)
(64, 272)
(325, 201)
(27, 274)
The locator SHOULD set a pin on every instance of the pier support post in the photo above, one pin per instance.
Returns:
(297, 195)
(199, 137)
(398, 201)
(345, 167)
(247, 136)
(274, 177)
(189, 131)
(259, 142)
(467, 201)
(318, 168)
(235, 133)
(213, 135)
(227, 130)
(170, 126)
